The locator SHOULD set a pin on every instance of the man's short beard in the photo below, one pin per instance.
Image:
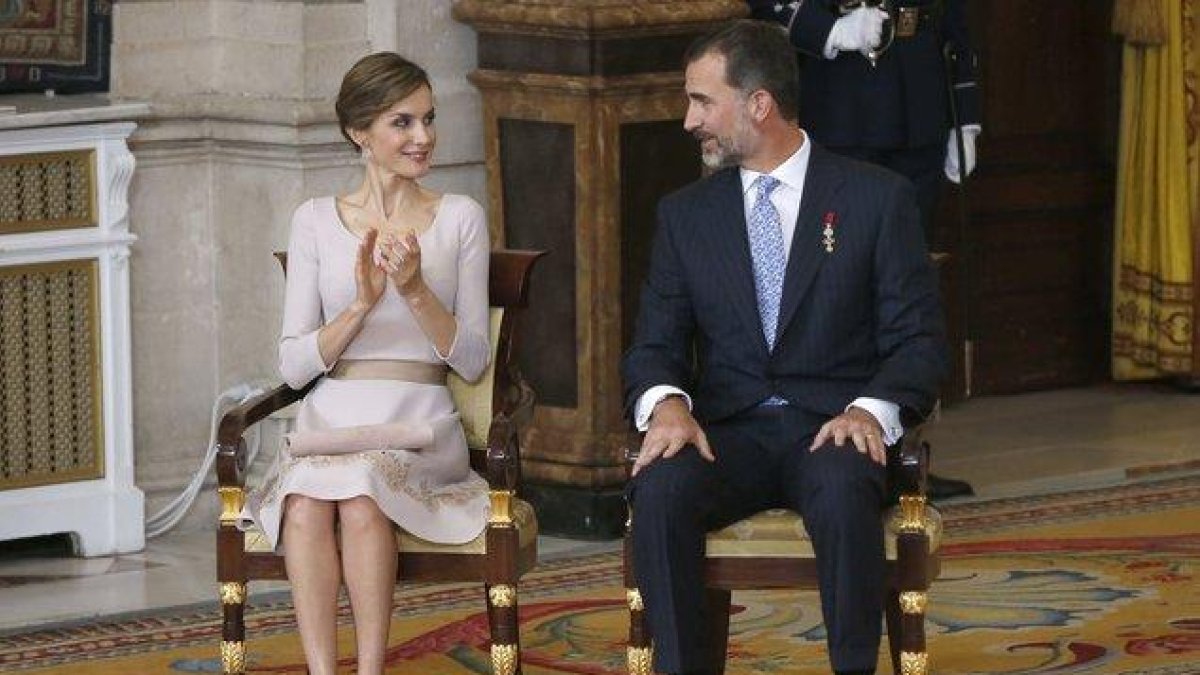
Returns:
(729, 151)
(727, 154)
(721, 157)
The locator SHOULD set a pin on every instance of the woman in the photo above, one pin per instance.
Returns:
(386, 290)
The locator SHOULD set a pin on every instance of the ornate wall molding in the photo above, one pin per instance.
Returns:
(577, 18)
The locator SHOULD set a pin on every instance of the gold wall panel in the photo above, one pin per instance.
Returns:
(50, 397)
(47, 191)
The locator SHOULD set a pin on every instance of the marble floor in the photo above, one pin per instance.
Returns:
(1003, 445)
(1070, 438)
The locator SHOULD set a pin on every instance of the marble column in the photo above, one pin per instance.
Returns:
(583, 105)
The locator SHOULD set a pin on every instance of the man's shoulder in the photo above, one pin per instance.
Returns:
(698, 194)
(861, 181)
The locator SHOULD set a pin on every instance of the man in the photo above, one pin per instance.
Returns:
(789, 325)
(879, 92)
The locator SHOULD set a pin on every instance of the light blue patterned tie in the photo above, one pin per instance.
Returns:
(766, 251)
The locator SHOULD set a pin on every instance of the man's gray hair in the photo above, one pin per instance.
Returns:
(757, 56)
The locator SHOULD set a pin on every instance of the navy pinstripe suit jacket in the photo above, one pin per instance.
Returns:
(862, 320)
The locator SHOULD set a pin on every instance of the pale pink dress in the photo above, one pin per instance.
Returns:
(430, 491)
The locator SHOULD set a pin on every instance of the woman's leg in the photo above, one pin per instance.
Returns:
(311, 557)
(369, 566)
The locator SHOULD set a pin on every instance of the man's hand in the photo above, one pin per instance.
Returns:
(859, 426)
(671, 428)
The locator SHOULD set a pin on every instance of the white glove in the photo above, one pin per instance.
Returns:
(858, 31)
(969, 132)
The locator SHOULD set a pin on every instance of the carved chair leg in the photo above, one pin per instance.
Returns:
(719, 600)
(909, 652)
(502, 620)
(233, 627)
(638, 654)
(913, 657)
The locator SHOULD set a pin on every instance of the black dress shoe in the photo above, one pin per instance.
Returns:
(939, 488)
(855, 672)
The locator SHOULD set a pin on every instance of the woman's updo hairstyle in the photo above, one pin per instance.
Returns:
(374, 84)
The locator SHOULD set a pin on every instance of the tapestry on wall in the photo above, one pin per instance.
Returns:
(54, 44)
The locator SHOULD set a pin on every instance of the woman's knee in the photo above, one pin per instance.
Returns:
(306, 511)
(307, 519)
(360, 513)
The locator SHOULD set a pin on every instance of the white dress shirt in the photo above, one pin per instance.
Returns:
(786, 200)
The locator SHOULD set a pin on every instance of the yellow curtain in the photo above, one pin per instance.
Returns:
(1157, 181)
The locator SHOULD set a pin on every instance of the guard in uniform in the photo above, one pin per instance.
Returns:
(873, 83)
(888, 81)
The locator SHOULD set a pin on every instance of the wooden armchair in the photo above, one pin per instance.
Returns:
(492, 411)
(771, 550)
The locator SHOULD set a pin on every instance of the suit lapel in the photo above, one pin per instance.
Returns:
(732, 245)
(821, 184)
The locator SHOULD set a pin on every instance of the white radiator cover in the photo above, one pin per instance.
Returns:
(59, 491)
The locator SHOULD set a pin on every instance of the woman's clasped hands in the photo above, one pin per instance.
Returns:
(390, 245)
(393, 257)
(400, 258)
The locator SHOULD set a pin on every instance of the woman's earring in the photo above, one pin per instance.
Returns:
(364, 154)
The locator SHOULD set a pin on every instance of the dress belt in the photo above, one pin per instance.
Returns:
(390, 369)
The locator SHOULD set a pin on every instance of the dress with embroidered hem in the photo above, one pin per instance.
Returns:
(429, 491)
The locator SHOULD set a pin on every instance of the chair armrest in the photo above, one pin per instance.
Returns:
(908, 464)
(503, 454)
(231, 450)
(517, 402)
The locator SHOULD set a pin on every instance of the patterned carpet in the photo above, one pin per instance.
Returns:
(1094, 581)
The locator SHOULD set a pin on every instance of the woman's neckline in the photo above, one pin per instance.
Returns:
(344, 227)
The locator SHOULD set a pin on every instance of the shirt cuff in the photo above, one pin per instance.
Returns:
(312, 351)
(652, 397)
(453, 343)
(300, 360)
(884, 412)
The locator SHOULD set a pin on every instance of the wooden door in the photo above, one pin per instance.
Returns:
(1040, 204)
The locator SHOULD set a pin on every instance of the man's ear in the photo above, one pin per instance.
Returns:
(761, 102)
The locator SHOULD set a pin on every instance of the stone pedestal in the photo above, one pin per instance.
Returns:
(583, 105)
